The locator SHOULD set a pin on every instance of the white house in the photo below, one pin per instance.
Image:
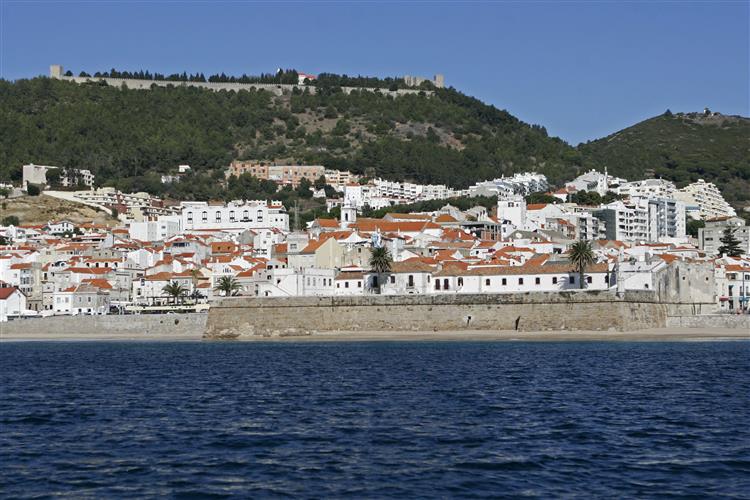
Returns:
(12, 302)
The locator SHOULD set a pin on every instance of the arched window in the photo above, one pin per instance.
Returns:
(204, 216)
(218, 216)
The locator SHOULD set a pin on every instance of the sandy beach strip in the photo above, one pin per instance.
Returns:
(658, 335)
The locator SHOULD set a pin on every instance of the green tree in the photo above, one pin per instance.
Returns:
(228, 286)
(320, 182)
(692, 226)
(33, 190)
(10, 220)
(4, 192)
(381, 262)
(541, 197)
(581, 256)
(174, 290)
(730, 245)
(303, 190)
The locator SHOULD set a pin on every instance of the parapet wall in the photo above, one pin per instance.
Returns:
(238, 317)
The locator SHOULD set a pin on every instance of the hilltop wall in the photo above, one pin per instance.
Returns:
(276, 89)
(238, 317)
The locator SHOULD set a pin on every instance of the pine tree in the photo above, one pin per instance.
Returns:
(730, 245)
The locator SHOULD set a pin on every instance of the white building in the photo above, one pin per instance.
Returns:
(625, 221)
(666, 218)
(707, 198)
(522, 183)
(648, 188)
(12, 302)
(594, 181)
(709, 237)
(234, 215)
(37, 174)
(159, 230)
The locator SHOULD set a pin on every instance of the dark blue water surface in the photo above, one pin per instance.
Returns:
(368, 420)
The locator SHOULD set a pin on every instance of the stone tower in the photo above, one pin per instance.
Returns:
(56, 71)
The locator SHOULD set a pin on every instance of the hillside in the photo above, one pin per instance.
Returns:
(42, 209)
(682, 147)
(127, 137)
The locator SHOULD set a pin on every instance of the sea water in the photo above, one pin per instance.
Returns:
(374, 420)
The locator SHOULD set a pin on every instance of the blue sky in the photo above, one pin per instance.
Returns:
(581, 69)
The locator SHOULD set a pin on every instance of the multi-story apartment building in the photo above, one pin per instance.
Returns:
(234, 215)
(647, 188)
(625, 221)
(666, 218)
(504, 187)
(340, 178)
(709, 237)
(704, 200)
(280, 174)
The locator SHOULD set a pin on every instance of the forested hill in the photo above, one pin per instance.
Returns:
(681, 147)
(129, 137)
(126, 137)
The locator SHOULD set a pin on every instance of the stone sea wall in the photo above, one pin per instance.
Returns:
(732, 321)
(239, 317)
(155, 324)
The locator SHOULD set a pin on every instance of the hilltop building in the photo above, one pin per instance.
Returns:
(415, 81)
(280, 174)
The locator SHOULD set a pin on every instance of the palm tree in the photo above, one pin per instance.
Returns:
(228, 285)
(174, 290)
(581, 256)
(381, 262)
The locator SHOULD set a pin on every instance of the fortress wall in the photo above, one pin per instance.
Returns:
(241, 316)
(155, 324)
(276, 89)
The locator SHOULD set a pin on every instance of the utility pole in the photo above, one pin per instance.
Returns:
(296, 215)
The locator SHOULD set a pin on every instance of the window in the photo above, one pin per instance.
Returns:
(537, 281)
(218, 216)
(338, 285)
(588, 279)
(504, 281)
(520, 281)
(231, 216)
(410, 281)
(460, 282)
(572, 280)
(393, 279)
(359, 284)
(346, 284)
(487, 282)
(204, 216)
(446, 284)
(190, 217)
(437, 284)
(245, 215)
